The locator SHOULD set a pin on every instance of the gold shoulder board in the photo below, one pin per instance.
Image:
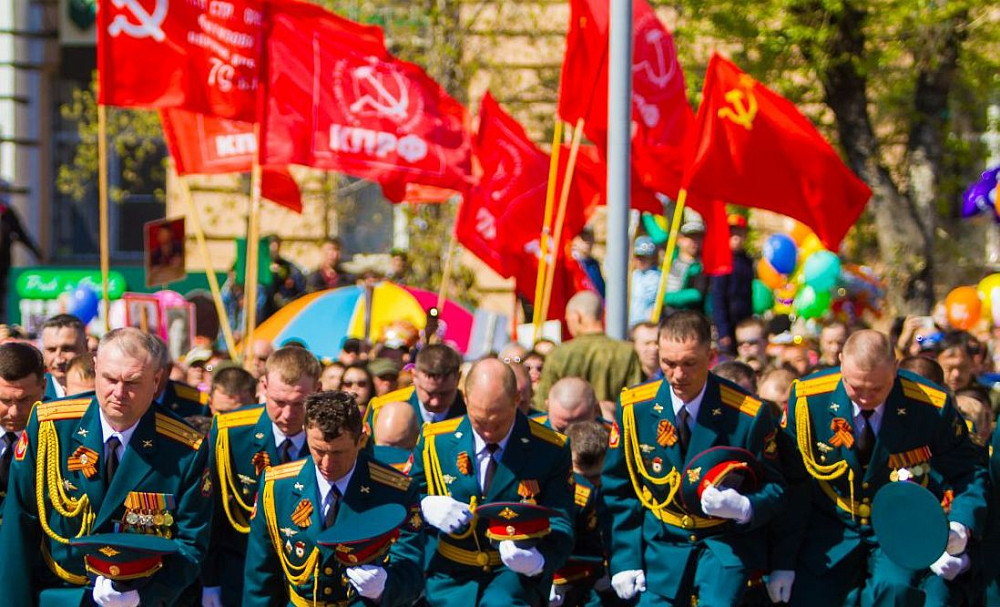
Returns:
(640, 393)
(191, 393)
(389, 477)
(240, 418)
(744, 403)
(582, 495)
(923, 393)
(288, 470)
(817, 385)
(446, 427)
(396, 395)
(62, 409)
(178, 431)
(546, 434)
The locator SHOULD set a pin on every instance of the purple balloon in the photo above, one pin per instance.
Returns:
(981, 196)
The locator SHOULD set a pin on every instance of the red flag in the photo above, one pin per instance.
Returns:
(334, 98)
(207, 145)
(501, 219)
(661, 116)
(202, 56)
(755, 148)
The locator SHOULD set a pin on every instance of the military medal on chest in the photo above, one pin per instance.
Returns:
(464, 463)
(83, 460)
(302, 513)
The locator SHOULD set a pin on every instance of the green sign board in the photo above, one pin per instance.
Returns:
(43, 283)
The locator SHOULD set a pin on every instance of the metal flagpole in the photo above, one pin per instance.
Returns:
(619, 167)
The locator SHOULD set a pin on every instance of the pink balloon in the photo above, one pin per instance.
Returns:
(170, 299)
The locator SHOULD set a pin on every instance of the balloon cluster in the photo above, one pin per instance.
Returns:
(965, 306)
(796, 275)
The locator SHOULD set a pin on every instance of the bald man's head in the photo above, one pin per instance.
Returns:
(571, 399)
(491, 399)
(585, 314)
(397, 425)
(868, 368)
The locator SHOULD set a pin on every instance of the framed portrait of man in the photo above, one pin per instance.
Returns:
(142, 311)
(164, 246)
(180, 324)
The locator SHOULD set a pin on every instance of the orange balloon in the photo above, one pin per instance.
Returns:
(768, 275)
(963, 307)
(800, 232)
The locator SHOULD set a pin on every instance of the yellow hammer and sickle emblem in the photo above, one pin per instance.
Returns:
(742, 107)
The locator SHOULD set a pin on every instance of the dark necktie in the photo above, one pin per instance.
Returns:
(8, 441)
(333, 505)
(285, 450)
(491, 467)
(684, 429)
(111, 448)
(866, 442)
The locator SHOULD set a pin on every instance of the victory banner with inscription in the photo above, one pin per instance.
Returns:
(754, 148)
(201, 55)
(334, 98)
(207, 145)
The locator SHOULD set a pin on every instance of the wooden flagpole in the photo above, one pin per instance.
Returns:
(561, 217)
(668, 258)
(550, 197)
(102, 195)
(253, 254)
(213, 282)
(446, 273)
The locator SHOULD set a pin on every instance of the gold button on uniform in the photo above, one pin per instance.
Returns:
(864, 485)
(328, 571)
(693, 538)
(328, 591)
(864, 511)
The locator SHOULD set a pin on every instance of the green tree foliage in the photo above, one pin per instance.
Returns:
(901, 85)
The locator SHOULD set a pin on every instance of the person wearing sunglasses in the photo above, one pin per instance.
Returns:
(357, 380)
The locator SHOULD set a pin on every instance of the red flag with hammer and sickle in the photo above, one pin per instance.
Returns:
(334, 98)
(754, 148)
(208, 145)
(200, 56)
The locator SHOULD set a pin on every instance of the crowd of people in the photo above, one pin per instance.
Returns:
(669, 469)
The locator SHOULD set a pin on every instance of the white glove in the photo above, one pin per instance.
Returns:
(629, 583)
(557, 595)
(950, 567)
(211, 596)
(727, 503)
(958, 538)
(106, 596)
(368, 580)
(528, 562)
(779, 585)
(445, 513)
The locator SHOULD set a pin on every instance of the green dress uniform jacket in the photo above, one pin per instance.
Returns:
(242, 446)
(50, 388)
(184, 400)
(607, 364)
(165, 459)
(830, 512)
(586, 563)
(684, 555)
(406, 395)
(285, 565)
(464, 568)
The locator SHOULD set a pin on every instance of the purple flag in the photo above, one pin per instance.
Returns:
(981, 196)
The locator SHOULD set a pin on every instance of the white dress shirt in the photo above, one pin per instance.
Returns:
(859, 420)
(483, 454)
(17, 437)
(324, 487)
(692, 407)
(297, 441)
(124, 436)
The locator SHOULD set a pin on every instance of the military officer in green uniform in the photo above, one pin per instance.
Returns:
(434, 394)
(108, 462)
(662, 552)
(22, 384)
(857, 429)
(492, 454)
(243, 443)
(285, 565)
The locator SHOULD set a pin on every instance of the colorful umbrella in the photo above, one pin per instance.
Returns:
(322, 320)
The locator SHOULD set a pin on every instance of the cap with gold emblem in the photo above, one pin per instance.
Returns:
(125, 558)
(723, 468)
(516, 521)
(359, 538)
